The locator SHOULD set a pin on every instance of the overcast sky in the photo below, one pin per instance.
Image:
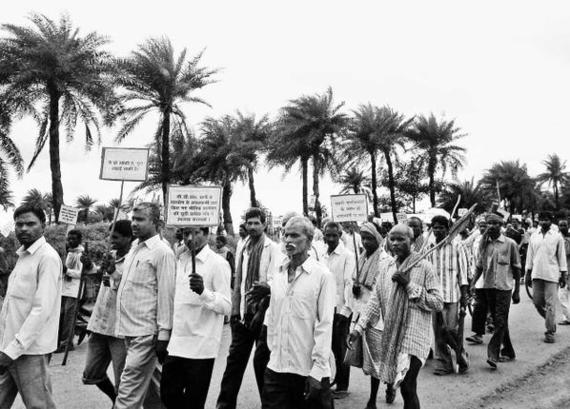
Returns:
(500, 69)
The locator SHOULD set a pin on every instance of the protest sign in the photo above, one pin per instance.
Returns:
(193, 205)
(402, 218)
(349, 208)
(277, 221)
(68, 215)
(124, 164)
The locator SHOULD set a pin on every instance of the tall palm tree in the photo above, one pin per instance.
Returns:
(10, 158)
(353, 180)
(310, 124)
(515, 185)
(34, 197)
(57, 76)
(554, 176)
(374, 131)
(84, 203)
(471, 193)
(156, 80)
(437, 140)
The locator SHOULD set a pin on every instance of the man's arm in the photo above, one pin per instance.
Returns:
(218, 299)
(75, 270)
(166, 282)
(561, 255)
(44, 301)
(428, 296)
(323, 328)
(348, 272)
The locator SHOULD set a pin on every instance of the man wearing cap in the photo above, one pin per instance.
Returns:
(498, 263)
(546, 267)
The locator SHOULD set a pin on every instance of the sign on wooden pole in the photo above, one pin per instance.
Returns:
(124, 164)
(349, 208)
(193, 205)
(68, 215)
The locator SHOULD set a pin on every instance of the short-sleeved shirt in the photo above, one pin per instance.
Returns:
(497, 260)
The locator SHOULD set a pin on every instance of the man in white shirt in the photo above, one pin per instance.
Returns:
(341, 262)
(254, 265)
(201, 300)
(299, 326)
(144, 305)
(546, 267)
(29, 317)
(179, 246)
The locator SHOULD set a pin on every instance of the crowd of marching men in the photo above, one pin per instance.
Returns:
(310, 303)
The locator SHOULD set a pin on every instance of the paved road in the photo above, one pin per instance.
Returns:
(453, 392)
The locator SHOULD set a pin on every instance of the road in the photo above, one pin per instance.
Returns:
(519, 384)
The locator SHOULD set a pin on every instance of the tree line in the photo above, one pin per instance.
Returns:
(52, 73)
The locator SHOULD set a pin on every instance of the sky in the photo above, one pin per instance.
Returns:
(499, 69)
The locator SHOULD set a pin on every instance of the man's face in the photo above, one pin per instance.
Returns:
(179, 235)
(332, 237)
(439, 231)
(242, 232)
(219, 244)
(142, 224)
(194, 237)
(482, 227)
(119, 242)
(416, 226)
(296, 241)
(369, 242)
(254, 227)
(494, 228)
(73, 241)
(400, 244)
(516, 224)
(28, 228)
(545, 223)
(563, 226)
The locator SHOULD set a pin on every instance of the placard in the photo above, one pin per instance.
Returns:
(349, 208)
(462, 211)
(193, 205)
(126, 164)
(277, 222)
(68, 215)
(402, 218)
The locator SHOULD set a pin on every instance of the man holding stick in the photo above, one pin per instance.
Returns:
(29, 316)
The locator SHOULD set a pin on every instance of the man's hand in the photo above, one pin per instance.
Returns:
(197, 283)
(160, 349)
(86, 261)
(528, 278)
(5, 361)
(352, 338)
(562, 280)
(464, 300)
(312, 388)
(257, 292)
(401, 278)
(516, 297)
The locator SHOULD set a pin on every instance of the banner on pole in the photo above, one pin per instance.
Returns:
(277, 221)
(193, 205)
(124, 164)
(402, 218)
(68, 215)
(349, 208)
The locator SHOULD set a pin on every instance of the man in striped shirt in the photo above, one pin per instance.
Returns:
(451, 268)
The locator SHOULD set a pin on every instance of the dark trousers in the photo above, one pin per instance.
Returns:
(479, 312)
(185, 382)
(240, 350)
(66, 324)
(287, 390)
(340, 332)
(409, 386)
(499, 303)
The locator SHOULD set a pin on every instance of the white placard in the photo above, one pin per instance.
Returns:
(349, 208)
(194, 205)
(402, 218)
(128, 164)
(277, 222)
(68, 215)
(462, 211)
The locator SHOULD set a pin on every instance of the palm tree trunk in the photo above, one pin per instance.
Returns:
(250, 179)
(165, 154)
(556, 198)
(54, 159)
(226, 197)
(391, 185)
(431, 173)
(318, 210)
(305, 176)
(374, 184)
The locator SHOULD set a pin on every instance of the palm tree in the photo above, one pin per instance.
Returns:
(378, 130)
(353, 181)
(514, 184)
(554, 176)
(471, 193)
(307, 130)
(84, 203)
(10, 158)
(34, 197)
(57, 76)
(156, 80)
(437, 141)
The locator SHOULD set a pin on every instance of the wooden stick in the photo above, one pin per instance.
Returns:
(118, 210)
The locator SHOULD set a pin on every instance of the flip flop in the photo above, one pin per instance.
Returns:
(504, 358)
(492, 363)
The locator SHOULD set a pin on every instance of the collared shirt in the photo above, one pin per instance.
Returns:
(546, 255)
(567, 247)
(199, 319)
(179, 247)
(451, 268)
(497, 261)
(299, 320)
(424, 298)
(146, 294)
(72, 278)
(30, 314)
(350, 239)
(341, 263)
(104, 316)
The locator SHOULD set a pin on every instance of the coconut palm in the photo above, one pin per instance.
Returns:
(156, 80)
(59, 77)
(514, 184)
(374, 131)
(554, 176)
(84, 203)
(353, 181)
(471, 193)
(10, 158)
(34, 197)
(436, 140)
